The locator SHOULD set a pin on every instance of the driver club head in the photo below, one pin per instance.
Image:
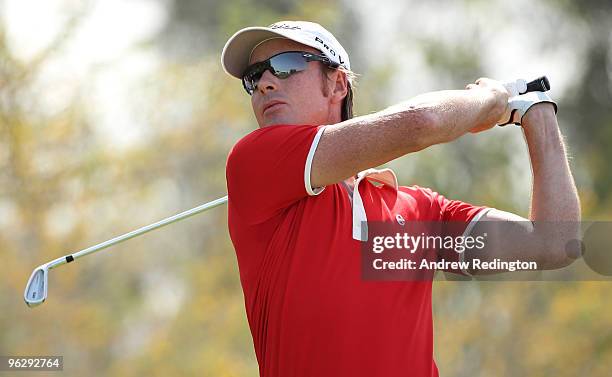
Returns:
(36, 291)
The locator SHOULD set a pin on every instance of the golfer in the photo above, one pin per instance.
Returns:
(302, 188)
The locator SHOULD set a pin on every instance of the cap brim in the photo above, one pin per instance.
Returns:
(237, 51)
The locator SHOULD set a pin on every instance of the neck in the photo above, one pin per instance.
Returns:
(334, 116)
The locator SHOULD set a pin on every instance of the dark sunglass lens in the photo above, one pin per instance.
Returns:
(252, 75)
(248, 86)
(284, 65)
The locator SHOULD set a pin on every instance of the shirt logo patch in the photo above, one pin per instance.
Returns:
(400, 219)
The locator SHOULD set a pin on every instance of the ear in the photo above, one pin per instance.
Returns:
(339, 90)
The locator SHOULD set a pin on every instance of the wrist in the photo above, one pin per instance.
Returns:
(498, 104)
(540, 115)
(492, 108)
(542, 132)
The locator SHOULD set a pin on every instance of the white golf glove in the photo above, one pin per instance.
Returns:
(519, 105)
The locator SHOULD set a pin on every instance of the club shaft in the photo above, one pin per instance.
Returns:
(172, 219)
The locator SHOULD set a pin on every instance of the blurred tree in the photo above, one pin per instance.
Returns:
(589, 103)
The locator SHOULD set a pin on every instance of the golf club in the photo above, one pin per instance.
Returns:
(36, 290)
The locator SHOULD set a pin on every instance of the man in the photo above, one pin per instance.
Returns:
(301, 185)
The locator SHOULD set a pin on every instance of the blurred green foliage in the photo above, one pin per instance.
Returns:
(170, 303)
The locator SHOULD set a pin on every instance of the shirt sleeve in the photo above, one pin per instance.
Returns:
(269, 170)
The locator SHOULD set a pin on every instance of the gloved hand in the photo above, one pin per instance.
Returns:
(519, 105)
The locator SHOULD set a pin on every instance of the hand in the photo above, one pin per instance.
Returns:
(520, 105)
(499, 99)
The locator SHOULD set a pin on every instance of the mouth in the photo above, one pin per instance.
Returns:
(272, 105)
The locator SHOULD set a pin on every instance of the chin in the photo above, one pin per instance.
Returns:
(275, 120)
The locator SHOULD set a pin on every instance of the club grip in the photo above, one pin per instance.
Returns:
(541, 84)
(520, 86)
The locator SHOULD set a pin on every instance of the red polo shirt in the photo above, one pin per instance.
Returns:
(309, 311)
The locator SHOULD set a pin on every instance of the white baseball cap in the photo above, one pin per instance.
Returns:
(238, 49)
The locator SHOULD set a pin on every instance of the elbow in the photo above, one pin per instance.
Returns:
(561, 249)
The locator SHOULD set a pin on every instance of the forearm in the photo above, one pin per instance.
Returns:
(555, 207)
(554, 196)
(453, 113)
(375, 139)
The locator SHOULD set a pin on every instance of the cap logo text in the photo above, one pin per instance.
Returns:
(285, 26)
(331, 51)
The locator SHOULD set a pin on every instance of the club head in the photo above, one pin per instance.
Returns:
(36, 290)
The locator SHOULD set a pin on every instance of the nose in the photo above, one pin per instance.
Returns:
(267, 82)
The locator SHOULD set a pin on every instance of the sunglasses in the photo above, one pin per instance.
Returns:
(282, 66)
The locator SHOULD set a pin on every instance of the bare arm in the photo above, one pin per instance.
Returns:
(555, 207)
(368, 141)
